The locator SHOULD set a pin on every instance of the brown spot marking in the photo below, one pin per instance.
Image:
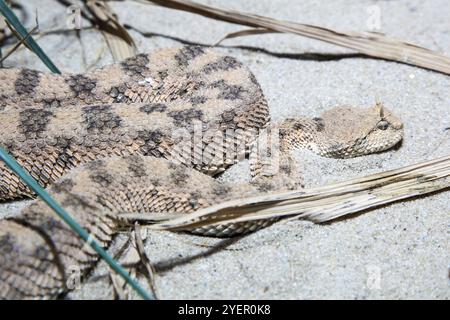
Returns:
(298, 126)
(193, 199)
(100, 117)
(265, 187)
(283, 133)
(153, 107)
(60, 142)
(41, 252)
(231, 93)
(118, 93)
(7, 242)
(223, 64)
(136, 166)
(64, 159)
(228, 92)
(51, 103)
(152, 141)
(179, 175)
(228, 116)
(81, 85)
(198, 100)
(163, 74)
(197, 83)
(181, 94)
(102, 177)
(172, 166)
(320, 125)
(48, 224)
(64, 185)
(286, 169)
(336, 148)
(185, 117)
(186, 54)
(155, 182)
(73, 200)
(33, 122)
(253, 79)
(27, 81)
(221, 190)
(95, 164)
(136, 66)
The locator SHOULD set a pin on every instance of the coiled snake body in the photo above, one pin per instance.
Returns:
(146, 135)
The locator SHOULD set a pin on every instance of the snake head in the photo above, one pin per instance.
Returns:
(350, 132)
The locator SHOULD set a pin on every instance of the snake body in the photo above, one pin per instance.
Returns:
(114, 141)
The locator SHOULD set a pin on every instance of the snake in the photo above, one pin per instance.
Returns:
(148, 135)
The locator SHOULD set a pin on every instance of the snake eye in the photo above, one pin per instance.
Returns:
(382, 125)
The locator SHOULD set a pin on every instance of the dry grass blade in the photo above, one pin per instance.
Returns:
(21, 32)
(371, 44)
(327, 202)
(118, 290)
(243, 33)
(119, 41)
(150, 217)
(17, 45)
(18, 36)
(144, 259)
(3, 27)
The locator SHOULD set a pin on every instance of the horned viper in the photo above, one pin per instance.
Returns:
(147, 135)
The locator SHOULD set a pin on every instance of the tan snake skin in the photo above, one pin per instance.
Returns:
(114, 141)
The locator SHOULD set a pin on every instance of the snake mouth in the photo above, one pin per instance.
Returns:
(394, 143)
(363, 147)
(398, 144)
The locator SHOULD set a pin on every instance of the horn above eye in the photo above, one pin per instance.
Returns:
(380, 109)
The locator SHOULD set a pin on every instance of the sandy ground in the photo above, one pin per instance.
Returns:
(398, 251)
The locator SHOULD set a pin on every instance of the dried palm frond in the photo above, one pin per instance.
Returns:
(324, 203)
(370, 44)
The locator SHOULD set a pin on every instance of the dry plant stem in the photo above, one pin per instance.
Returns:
(371, 44)
(118, 291)
(17, 45)
(120, 43)
(144, 259)
(3, 27)
(327, 202)
(246, 32)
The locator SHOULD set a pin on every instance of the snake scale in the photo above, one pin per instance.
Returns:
(124, 139)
